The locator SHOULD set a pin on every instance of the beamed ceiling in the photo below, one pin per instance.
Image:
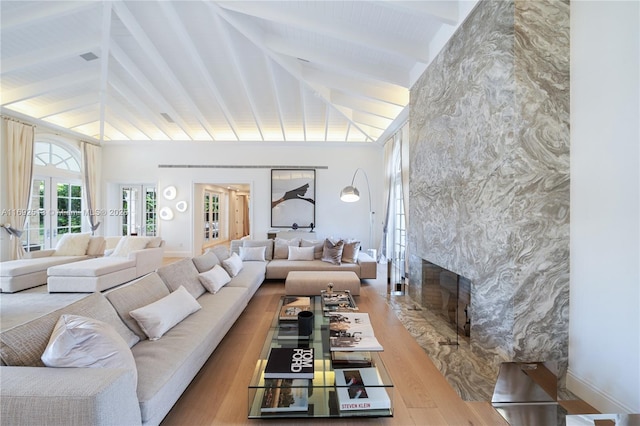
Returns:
(218, 70)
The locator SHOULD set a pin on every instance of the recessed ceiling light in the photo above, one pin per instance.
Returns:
(89, 56)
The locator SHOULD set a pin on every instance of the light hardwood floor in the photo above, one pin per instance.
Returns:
(218, 395)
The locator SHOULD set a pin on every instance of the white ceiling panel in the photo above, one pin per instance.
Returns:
(317, 71)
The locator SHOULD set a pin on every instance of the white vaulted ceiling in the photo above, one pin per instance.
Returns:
(218, 70)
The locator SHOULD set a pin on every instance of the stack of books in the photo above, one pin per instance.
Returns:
(292, 306)
(286, 384)
(350, 331)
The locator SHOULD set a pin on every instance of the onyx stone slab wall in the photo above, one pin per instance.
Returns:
(489, 175)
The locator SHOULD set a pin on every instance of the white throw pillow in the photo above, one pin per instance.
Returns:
(300, 253)
(79, 341)
(253, 253)
(233, 265)
(214, 279)
(158, 317)
(129, 244)
(72, 245)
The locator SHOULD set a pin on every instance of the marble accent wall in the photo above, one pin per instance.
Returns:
(489, 175)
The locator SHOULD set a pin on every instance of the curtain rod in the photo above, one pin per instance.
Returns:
(6, 117)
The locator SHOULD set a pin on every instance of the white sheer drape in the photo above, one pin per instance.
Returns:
(383, 251)
(19, 166)
(91, 164)
(404, 170)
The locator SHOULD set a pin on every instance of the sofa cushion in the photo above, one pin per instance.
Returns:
(221, 251)
(281, 247)
(332, 252)
(182, 273)
(24, 344)
(206, 261)
(350, 251)
(317, 245)
(79, 341)
(214, 279)
(72, 245)
(128, 245)
(300, 253)
(92, 267)
(16, 268)
(162, 315)
(253, 253)
(268, 244)
(96, 246)
(134, 295)
(154, 242)
(233, 265)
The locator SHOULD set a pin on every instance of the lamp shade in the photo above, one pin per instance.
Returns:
(350, 194)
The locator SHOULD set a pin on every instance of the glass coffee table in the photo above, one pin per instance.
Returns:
(320, 396)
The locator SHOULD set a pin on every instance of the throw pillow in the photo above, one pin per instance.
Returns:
(128, 245)
(154, 242)
(162, 315)
(281, 247)
(206, 261)
(268, 255)
(350, 251)
(72, 245)
(233, 265)
(317, 245)
(96, 246)
(331, 252)
(253, 253)
(214, 279)
(300, 253)
(79, 341)
(221, 251)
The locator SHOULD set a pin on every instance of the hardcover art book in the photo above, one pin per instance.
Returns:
(289, 363)
(356, 359)
(292, 306)
(350, 331)
(361, 389)
(285, 395)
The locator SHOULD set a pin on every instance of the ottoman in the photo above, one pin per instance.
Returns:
(310, 283)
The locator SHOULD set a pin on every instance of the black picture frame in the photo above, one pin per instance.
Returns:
(293, 198)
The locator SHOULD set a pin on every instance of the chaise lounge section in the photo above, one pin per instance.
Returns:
(31, 271)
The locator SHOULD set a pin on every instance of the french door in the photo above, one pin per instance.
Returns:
(55, 210)
(138, 210)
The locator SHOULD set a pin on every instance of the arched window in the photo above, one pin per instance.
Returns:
(56, 194)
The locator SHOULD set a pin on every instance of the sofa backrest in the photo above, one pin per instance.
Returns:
(182, 273)
(24, 344)
(268, 255)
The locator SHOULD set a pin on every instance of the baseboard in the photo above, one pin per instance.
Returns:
(595, 397)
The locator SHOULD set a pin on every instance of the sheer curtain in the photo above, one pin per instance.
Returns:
(404, 171)
(91, 180)
(383, 251)
(19, 166)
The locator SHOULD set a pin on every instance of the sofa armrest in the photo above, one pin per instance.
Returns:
(368, 266)
(39, 254)
(68, 396)
(147, 260)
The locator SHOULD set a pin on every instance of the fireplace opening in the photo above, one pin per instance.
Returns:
(448, 296)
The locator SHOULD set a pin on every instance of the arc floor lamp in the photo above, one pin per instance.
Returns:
(351, 194)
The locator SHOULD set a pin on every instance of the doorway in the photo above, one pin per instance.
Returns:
(137, 210)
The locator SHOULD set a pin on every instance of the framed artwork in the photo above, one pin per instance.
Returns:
(293, 198)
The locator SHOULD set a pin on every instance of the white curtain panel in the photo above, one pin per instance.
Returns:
(404, 167)
(19, 141)
(91, 163)
(383, 254)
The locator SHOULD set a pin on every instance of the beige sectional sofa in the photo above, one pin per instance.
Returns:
(33, 394)
(279, 263)
(132, 257)
(31, 271)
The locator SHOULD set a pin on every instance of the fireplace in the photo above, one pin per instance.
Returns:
(448, 296)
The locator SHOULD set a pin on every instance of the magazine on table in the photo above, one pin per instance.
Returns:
(349, 331)
(282, 395)
(292, 306)
(337, 301)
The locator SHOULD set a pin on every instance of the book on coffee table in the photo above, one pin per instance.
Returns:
(350, 331)
(361, 389)
(337, 301)
(356, 359)
(289, 363)
(283, 395)
(292, 306)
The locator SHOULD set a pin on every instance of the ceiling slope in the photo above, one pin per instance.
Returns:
(302, 71)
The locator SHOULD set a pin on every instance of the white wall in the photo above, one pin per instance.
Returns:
(138, 162)
(604, 342)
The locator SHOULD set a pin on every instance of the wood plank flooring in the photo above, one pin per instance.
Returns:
(218, 395)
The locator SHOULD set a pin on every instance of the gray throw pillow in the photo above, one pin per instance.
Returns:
(332, 253)
(350, 251)
(206, 261)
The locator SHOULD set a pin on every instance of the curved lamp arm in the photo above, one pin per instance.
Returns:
(351, 194)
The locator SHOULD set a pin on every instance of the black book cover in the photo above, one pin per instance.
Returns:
(289, 363)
